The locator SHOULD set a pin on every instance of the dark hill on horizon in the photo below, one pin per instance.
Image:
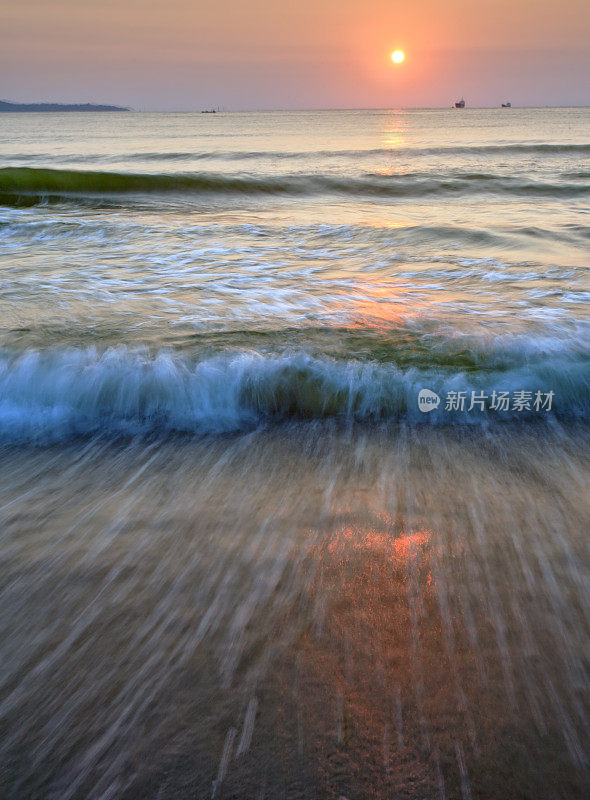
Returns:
(7, 106)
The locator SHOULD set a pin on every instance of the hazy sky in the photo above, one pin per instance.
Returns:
(241, 54)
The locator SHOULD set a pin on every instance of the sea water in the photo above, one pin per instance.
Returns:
(293, 453)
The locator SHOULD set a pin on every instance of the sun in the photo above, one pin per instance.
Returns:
(398, 56)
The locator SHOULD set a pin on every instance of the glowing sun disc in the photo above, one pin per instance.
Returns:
(398, 56)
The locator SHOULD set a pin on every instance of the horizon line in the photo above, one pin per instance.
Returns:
(221, 110)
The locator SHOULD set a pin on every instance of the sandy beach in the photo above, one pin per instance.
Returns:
(396, 613)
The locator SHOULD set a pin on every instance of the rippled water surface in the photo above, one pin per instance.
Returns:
(238, 560)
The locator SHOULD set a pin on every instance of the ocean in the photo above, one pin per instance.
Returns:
(294, 454)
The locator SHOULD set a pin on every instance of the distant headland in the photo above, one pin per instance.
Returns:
(6, 106)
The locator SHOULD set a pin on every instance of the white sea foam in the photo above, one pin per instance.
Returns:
(52, 395)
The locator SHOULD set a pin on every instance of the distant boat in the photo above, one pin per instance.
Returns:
(506, 105)
(460, 103)
(209, 111)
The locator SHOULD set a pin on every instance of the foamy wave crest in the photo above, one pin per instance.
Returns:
(53, 395)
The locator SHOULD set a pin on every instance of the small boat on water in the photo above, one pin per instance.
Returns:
(209, 111)
(506, 105)
(460, 103)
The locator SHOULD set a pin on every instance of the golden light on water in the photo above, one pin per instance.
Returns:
(398, 56)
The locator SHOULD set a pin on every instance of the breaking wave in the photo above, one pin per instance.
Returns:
(54, 395)
(36, 185)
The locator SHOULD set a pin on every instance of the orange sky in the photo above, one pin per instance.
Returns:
(188, 54)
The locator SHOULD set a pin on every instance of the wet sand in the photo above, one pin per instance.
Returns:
(303, 612)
